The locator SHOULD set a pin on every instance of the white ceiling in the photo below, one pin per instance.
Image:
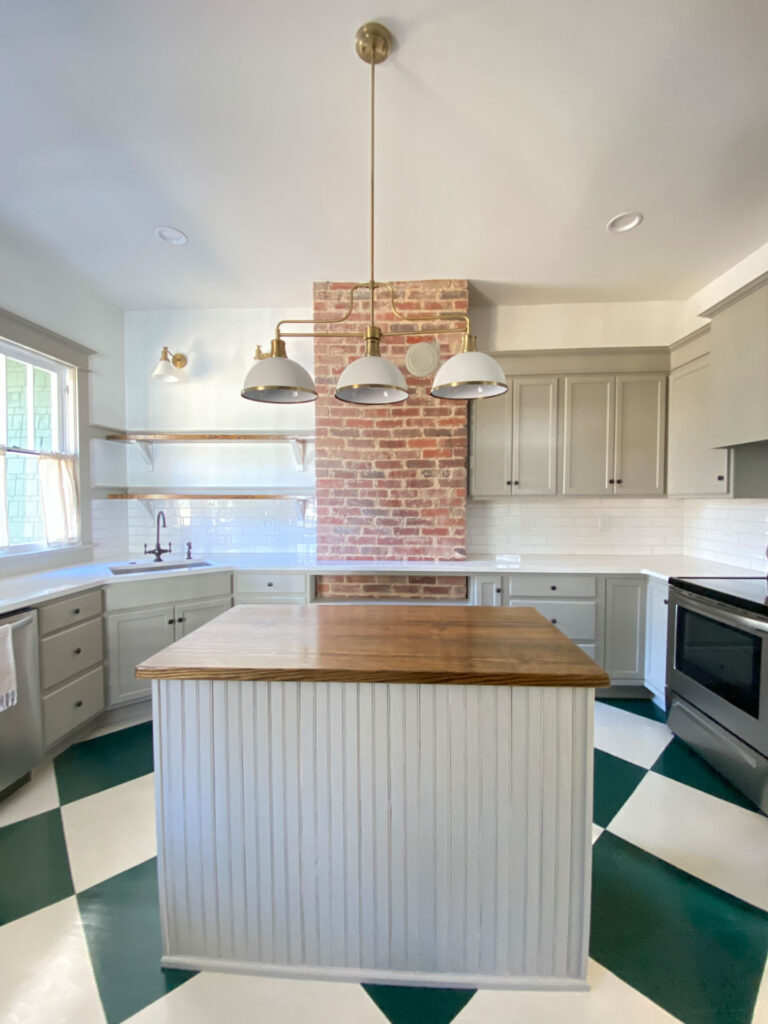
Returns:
(508, 134)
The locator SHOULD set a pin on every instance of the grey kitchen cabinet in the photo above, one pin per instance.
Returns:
(588, 434)
(488, 590)
(624, 644)
(254, 587)
(490, 458)
(133, 636)
(190, 615)
(738, 411)
(693, 467)
(534, 435)
(613, 434)
(657, 611)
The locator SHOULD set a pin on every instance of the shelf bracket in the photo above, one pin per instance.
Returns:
(299, 449)
(148, 451)
(146, 504)
(301, 507)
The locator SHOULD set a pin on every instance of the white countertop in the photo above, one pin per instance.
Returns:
(18, 591)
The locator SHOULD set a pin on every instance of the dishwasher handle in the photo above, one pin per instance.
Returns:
(22, 622)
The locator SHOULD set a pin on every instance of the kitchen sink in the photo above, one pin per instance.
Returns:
(134, 567)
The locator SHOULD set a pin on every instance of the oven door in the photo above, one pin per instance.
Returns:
(718, 661)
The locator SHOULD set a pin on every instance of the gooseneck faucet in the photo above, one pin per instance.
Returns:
(157, 551)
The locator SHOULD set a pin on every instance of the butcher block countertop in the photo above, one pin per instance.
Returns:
(381, 643)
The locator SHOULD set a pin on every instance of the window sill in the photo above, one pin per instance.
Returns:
(13, 564)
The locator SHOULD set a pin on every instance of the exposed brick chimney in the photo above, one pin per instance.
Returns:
(392, 479)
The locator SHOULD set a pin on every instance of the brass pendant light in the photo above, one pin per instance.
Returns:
(372, 379)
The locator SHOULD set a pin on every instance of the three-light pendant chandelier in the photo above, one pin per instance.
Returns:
(372, 379)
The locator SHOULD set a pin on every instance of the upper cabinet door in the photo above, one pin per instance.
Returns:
(640, 429)
(692, 466)
(490, 457)
(534, 435)
(588, 435)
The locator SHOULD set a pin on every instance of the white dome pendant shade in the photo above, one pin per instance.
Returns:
(470, 374)
(372, 380)
(277, 379)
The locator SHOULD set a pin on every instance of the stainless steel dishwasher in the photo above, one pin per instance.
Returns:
(21, 729)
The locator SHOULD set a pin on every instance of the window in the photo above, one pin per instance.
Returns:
(39, 506)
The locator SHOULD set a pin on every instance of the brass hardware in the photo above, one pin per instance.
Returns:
(260, 353)
(177, 359)
(373, 42)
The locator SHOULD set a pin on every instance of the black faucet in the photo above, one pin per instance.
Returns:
(157, 551)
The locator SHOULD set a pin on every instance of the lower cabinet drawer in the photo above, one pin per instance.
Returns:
(551, 585)
(72, 705)
(267, 585)
(577, 619)
(69, 611)
(70, 651)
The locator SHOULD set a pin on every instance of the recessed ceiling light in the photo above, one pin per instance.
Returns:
(171, 235)
(625, 221)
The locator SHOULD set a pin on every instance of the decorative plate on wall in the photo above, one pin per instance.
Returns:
(422, 358)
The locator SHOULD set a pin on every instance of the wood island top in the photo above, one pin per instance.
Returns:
(378, 643)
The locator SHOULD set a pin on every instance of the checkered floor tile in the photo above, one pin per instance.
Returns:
(679, 913)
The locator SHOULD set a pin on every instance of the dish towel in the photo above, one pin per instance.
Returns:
(8, 692)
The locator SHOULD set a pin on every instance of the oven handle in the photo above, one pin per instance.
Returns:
(719, 614)
(721, 734)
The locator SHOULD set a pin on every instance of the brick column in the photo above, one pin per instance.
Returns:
(392, 479)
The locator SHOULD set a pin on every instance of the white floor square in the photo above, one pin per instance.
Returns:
(242, 999)
(45, 971)
(629, 736)
(110, 831)
(717, 841)
(40, 794)
(609, 1001)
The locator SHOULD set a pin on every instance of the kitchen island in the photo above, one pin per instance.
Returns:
(393, 794)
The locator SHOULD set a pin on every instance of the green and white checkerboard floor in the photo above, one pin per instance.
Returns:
(679, 922)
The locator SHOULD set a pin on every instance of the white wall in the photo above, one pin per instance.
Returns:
(578, 325)
(39, 288)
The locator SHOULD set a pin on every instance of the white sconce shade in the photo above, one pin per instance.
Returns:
(372, 380)
(470, 374)
(277, 379)
(167, 369)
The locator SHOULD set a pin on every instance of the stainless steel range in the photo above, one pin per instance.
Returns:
(717, 675)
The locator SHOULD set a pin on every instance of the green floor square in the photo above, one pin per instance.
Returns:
(34, 865)
(615, 781)
(106, 761)
(402, 1004)
(681, 763)
(121, 918)
(693, 949)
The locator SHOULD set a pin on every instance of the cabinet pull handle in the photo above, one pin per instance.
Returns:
(180, 619)
(78, 650)
(170, 622)
(553, 621)
(720, 476)
(78, 703)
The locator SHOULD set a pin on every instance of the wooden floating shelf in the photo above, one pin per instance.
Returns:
(210, 496)
(145, 440)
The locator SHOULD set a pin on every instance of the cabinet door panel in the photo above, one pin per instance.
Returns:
(588, 434)
(693, 467)
(487, 590)
(190, 615)
(656, 637)
(534, 435)
(640, 420)
(132, 637)
(490, 461)
(624, 627)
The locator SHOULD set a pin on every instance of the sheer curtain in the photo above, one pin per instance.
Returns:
(58, 489)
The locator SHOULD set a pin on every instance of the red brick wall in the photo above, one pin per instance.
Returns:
(391, 480)
(417, 587)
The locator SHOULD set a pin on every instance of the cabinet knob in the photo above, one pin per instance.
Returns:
(78, 650)
(516, 483)
(78, 703)
(619, 481)
(720, 476)
(553, 621)
(666, 600)
(170, 622)
(509, 483)
(611, 481)
(498, 590)
(553, 587)
(180, 619)
(76, 611)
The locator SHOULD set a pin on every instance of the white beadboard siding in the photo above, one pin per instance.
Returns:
(575, 526)
(426, 834)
